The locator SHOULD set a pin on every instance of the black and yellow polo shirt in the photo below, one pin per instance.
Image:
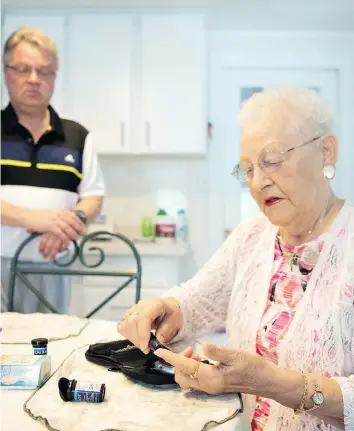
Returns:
(54, 162)
(53, 173)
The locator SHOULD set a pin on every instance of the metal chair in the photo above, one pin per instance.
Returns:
(65, 269)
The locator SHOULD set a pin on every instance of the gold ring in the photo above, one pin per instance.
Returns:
(132, 313)
(122, 320)
(195, 374)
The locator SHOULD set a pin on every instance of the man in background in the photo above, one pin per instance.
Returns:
(50, 175)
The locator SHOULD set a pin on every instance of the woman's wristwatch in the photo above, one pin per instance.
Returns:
(82, 216)
(317, 398)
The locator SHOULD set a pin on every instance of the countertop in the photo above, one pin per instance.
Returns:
(13, 417)
(118, 248)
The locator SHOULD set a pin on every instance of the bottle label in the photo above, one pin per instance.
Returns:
(88, 392)
(39, 350)
(165, 230)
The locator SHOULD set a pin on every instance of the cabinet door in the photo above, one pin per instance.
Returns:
(98, 86)
(54, 26)
(173, 84)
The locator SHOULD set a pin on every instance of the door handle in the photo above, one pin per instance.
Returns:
(122, 134)
(148, 133)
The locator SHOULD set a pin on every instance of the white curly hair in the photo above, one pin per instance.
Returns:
(296, 110)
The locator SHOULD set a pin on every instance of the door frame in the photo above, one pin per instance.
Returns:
(283, 50)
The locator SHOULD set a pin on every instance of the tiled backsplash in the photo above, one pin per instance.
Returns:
(129, 210)
(132, 186)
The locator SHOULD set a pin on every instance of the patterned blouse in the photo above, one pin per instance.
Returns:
(292, 270)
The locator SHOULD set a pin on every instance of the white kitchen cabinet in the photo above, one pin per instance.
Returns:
(54, 26)
(98, 86)
(173, 74)
(137, 82)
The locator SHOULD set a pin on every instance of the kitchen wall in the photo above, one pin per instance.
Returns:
(265, 58)
(132, 185)
(133, 181)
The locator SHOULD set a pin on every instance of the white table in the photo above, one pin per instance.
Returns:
(13, 417)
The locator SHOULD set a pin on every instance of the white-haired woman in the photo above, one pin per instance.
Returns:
(283, 281)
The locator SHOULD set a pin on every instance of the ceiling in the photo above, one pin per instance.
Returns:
(333, 15)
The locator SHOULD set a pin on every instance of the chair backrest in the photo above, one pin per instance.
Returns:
(65, 268)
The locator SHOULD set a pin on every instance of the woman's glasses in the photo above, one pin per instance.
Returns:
(270, 160)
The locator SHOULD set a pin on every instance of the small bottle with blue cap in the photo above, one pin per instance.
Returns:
(181, 227)
(40, 346)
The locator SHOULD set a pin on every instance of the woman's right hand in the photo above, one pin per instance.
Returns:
(162, 314)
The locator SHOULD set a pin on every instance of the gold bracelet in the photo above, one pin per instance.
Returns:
(301, 409)
(317, 398)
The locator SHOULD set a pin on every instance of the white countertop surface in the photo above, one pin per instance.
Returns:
(13, 417)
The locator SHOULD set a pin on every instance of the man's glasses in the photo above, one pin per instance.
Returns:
(25, 70)
(270, 160)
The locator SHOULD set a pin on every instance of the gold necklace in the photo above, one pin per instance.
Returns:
(323, 215)
(292, 257)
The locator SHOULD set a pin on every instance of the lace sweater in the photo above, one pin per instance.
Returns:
(233, 288)
(287, 287)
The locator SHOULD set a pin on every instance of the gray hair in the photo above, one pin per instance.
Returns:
(300, 110)
(33, 36)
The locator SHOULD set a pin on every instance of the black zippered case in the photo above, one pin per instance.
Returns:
(123, 356)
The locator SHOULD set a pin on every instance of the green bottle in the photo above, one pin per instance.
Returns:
(147, 228)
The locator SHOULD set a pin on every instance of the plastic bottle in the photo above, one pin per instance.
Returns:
(181, 227)
(72, 390)
(39, 346)
(165, 228)
(147, 227)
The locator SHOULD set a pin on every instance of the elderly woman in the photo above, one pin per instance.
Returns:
(283, 281)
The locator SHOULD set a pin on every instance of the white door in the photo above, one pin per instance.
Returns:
(54, 26)
(234, 204)
(98, 84)
(173, 70)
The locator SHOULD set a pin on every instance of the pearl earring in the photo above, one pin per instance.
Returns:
(329, 172)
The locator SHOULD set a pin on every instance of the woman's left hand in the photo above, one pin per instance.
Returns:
(235, 370)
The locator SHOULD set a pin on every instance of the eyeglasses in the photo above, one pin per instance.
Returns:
(270, 160)
(25, 70)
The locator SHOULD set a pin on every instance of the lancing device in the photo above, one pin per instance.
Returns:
(155, 344)
(160, 365)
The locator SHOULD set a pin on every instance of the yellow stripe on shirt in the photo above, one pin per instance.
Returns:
(54, 167)
(19, 163)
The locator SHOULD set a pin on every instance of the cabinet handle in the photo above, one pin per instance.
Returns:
(147, 126)
(122, 134)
